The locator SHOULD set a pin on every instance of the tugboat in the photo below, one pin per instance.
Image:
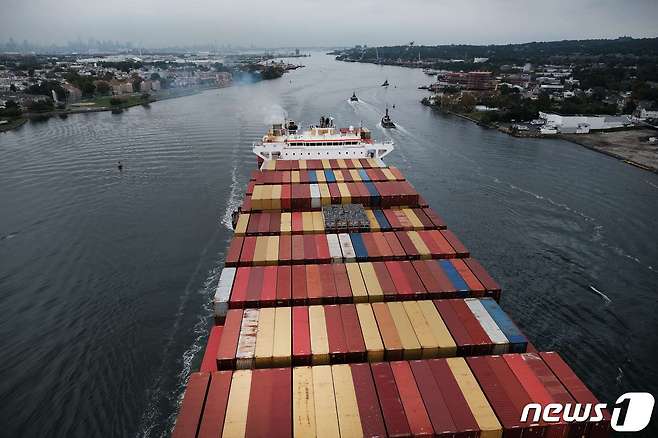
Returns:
(354, 98)
(385, 84)
(386, 121)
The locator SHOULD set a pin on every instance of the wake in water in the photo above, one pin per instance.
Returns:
(234, 198)
(601, 294)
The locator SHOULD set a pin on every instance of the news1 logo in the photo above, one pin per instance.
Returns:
(631, 412)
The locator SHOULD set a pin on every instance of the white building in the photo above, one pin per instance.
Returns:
(647, 114)
(581, 124)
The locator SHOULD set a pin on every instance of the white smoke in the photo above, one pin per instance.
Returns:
(274, 113)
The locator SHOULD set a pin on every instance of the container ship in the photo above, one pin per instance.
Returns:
(346, 307)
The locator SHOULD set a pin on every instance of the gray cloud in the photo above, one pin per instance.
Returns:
(158, 23)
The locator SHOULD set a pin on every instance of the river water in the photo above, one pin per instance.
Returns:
(106, 276)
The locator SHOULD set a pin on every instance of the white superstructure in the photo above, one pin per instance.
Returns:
(323, 141)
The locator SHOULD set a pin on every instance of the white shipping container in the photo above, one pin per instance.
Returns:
(346, 247)
(334, 248)
(501, 343)
(223, 292)
(315, 196)
(246, 351)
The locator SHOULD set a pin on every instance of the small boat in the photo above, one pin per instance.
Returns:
(386, 121)
(354, 98)
(385, 84)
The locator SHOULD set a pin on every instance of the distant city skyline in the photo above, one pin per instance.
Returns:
(308, 23)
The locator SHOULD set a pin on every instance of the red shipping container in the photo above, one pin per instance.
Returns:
(270, 399)
(396, 173)
(433, 398)
(233, 254)
(482, 344)
(422, 217)
(248, 249)
(301, 336)
(255, 286)
(335, 334)
(435, 218)
(283, 286)
(477, 290)
(250, 188)
(310, 251)
(459, 247)
(389, 400)
(228, 343)
(372, 423)
(371, 246)
(461, 336)
(285, 177)
(445, 249)
(402, 285)
(407, 244)
(392, 219)
(239, 292)
(322, 248)
(189, 416)
(342, 282)
(286, 197)
(209, 362)
(254, 222)
(483, 276)
(299, 296)
(430, 283)
(419, 421)
(313, 284)
(297, 224)
(447, 289)
(578, 391)
(334, 193)
(275, 223)
(264, 223)
(333, 163)
(385, 281)
(460, 411)
(327, 284)
(303, 177)
(394, 244)
(268, 294)
(214, 411)
(382, 246)
(356, 347)
(413, 280)
(285, 249)
(298, 249)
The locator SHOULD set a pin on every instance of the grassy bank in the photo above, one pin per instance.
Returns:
(13, 124)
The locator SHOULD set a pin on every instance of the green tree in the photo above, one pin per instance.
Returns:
(103, 87)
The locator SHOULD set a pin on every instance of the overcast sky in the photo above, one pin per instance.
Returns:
(272, 23)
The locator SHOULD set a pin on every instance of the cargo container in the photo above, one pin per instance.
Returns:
(391, 327)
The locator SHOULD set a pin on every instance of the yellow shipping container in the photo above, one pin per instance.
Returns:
(341, 163)
(265, 338)
(370, 332)
(302, 164)
(326, 417)
(356, 163)
(375, 292)
(339, 176)
(355, 175)
(269, 165)
(241, 226)
(294, 176)
(286, 223)
(272, 255)
(413, 219)
(359, 291)
(429, 345)
(374, 225)
(257, 198)
(282, 351)
(267, 197)
(260, 252)
(447, 346)
(420, 245)
(303, 402)
(325, 164)
(349, 420)
(388, 174)
(325, 195)
(320, 176)
(410, 344)
(345, 197)
(476, 400)
(307, 222)
(235, 421)
(276, 197)
(318, 222)
(319, 337)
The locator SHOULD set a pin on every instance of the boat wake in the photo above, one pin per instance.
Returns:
(601, 294)
(234, 198)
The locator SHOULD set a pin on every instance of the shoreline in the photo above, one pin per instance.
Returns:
(588, 141)
(25, 117)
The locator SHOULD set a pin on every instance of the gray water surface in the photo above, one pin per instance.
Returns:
(106, 276)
